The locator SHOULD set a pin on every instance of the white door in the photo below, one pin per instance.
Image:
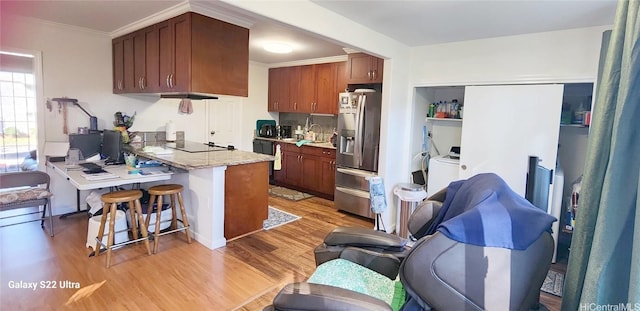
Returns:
(505, 124)
(225, 120)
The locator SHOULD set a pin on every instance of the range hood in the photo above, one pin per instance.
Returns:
(195, 96)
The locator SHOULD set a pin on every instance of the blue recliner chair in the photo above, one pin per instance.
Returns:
(486, 248)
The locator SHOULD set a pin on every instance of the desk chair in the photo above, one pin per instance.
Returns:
(26, 189)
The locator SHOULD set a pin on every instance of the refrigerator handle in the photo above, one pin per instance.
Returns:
(359, 145)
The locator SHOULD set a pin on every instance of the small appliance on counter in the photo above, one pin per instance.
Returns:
(266, 128)
(285, 131)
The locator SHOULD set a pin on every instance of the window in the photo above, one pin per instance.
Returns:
(18, 122)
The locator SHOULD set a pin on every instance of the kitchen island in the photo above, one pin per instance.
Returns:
(226, 191)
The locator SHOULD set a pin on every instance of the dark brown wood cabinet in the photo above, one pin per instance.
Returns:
(189, 53)
(117, 50)
(294, 83)
(309, 165)
(244, 211)
(342, 79)
(145, 61)
(279, 89)
(309, 169)
(174, 37)
(326, 99)
(327, 169)
(127, 83)
(291, 165)
(364, 68)
(311, 88)
(317, 90)
(307, 91)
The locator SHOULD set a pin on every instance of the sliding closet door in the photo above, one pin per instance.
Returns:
(505, 124)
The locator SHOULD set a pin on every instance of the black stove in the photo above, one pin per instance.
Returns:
(193, 147)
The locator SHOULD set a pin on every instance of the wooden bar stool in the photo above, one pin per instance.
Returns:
(158, 192)
(110, 201)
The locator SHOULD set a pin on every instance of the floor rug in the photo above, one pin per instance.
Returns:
(553, 283)
(278, 218)
(288, 194)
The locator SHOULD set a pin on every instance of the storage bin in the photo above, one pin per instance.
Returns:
(94, 225)
(165, 218)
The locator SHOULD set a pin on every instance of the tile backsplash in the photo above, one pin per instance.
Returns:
(159, 136)
(327, 123)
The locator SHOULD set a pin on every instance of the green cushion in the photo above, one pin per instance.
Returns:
(348, 275)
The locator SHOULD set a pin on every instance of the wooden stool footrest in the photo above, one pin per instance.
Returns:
(171, 231)
(119, 245)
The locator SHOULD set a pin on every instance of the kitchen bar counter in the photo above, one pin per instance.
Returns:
(198, 160)
(226, 191)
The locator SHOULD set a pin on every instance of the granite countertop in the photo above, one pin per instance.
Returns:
(327, 145)
(197, 160)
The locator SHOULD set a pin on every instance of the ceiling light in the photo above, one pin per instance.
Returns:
(278, 47)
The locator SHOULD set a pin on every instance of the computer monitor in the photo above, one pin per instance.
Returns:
(112, 147)
(89, 144)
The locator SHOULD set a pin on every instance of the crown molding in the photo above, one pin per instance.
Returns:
(204, 8)
(163, 15)
(350, 50)
(322, 60)
(221, 12)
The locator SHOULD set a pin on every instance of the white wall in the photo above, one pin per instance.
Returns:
(254, 107)
(559, 56)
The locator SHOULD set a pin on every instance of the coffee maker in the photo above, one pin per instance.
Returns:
(285, 131)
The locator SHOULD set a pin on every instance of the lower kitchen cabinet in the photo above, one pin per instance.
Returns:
(309, 169)
(327, 175)
(310, 178)
(291, 165)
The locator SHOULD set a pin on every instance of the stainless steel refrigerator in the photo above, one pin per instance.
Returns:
(357, 150)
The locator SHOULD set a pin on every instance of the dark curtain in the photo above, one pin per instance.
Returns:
(604, 264)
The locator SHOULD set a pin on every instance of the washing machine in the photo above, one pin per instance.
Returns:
(442, 171)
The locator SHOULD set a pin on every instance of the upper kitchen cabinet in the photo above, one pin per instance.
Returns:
(190, 53)
(117, 52)
(307, 89)
(124, 64)
(293, 84)
(317, 89)
(326, 96)
(342, 78)
(140, 61)
(364, 68)
(174, 53)
(306, 98)
(279, 89)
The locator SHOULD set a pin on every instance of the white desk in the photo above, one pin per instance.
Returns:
(74, 176)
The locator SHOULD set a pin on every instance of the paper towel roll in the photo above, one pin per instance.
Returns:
(170, 131)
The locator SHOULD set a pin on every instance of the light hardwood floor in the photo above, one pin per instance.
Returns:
(244, 275)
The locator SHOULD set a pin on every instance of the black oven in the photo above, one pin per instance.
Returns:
(265, 147)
